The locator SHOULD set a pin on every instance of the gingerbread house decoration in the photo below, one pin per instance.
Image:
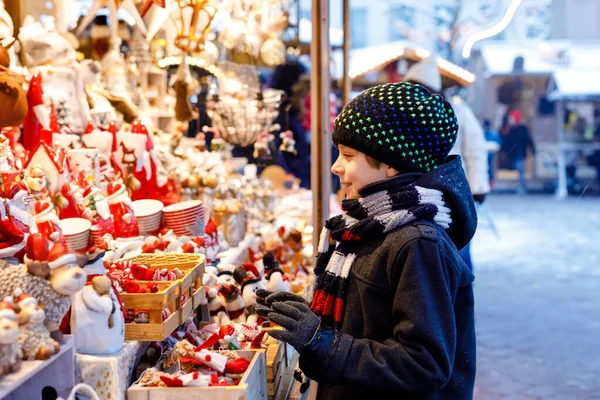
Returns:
(54, 163)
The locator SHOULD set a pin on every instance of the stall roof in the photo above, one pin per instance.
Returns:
(368, 59)
(539, 58)
(575, 84)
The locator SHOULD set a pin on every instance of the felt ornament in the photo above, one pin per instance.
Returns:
(193, 379)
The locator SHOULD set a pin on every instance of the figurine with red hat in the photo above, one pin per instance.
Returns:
(47, 221)
(233, 303)
(120, 205)
(97, 211)
(15, 220)
(73, 194)
(88, 319)
(152, 166)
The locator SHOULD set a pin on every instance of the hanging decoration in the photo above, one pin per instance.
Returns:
(254, 27)
(241, 121)
(193, 24)
(113, 8)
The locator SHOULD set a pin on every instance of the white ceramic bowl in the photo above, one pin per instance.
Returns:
(146, 207)
(74, 226)
(182, 206)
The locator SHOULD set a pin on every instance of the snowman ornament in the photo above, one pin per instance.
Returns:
(249, 279)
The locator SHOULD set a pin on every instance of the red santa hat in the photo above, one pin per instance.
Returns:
(230, 292)
(36, 248)
(43, 208)
(188, 248)
(115, 189)
(136, 126)
(59, 256)
(13, 188)
(7, 310)
(24, 299)
(246, 274)
(90, 191)
(69, 188)
(89, 127)
(199, 241)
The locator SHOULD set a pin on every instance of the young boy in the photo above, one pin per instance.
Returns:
(390, 315)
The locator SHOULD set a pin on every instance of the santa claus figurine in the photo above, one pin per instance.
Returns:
(47, 221)
(152, 166)
(120, 205)
(73, 194)
(16, 223)
(97, 211)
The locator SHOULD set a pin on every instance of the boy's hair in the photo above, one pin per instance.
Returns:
(399, 124)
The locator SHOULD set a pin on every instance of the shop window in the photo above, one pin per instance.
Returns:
(358, 27)
(401, 21)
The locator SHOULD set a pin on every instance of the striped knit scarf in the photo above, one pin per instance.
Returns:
(389, 207)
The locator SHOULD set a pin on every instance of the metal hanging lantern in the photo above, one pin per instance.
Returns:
(241, 121)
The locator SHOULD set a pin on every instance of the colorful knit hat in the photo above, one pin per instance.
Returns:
(399, 124)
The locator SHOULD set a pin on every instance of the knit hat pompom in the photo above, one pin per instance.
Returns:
(400, 124)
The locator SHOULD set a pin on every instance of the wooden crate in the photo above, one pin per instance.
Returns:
(279, 365)
(253, 386)
(157, 329)
(192, 266)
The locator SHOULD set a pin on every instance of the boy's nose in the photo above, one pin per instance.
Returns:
(336, 168)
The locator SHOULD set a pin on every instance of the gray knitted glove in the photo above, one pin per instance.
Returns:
(299, 322)
(267, 298)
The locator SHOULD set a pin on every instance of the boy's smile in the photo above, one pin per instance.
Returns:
(355, 171)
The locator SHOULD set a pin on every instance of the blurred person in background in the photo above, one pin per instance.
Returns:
(470, 144)
(494, 142)
(289, 78)
(518, 142)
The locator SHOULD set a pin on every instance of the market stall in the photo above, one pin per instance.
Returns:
(539, 80)
(130, 250)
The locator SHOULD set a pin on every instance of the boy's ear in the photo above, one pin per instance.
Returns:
(391, 172)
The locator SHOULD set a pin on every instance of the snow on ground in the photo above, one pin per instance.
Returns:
(537, 291)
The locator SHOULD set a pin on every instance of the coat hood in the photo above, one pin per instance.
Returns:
(450, 179)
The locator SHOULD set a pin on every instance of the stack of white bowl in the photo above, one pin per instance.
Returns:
(76, 232)
(149, 214)
(185, 218)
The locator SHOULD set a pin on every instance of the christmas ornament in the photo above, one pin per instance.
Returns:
(193, 24)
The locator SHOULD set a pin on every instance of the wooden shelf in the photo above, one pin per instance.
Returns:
(57, 372)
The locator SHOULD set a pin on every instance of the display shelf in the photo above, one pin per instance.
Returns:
(110, 375)
(34, 376)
